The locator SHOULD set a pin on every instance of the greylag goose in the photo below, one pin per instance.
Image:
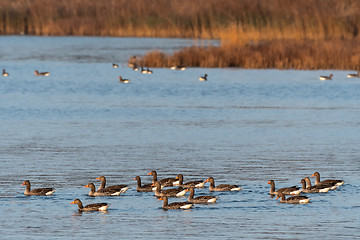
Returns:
(201, 199)
(331, 182)
(294, 199)
(5, 74)
(180, 179)
(102, 192)
(204, 78)
(144, 188)
(307, 188)
(90, 207)
(122, 187)
(115, 65)
(178, 67)
(173, 192)
(354, 75)
(37, 73)
(166, 182)
(37, 191)
(287, 190)
(123, 80)
(175, 205)
(221, 187)
(323, 78)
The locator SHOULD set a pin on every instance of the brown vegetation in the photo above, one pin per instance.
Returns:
(281, 54)
(253, 33)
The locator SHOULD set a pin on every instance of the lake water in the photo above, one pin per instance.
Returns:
(242, 127)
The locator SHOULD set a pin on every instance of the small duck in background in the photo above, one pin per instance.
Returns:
(5, 74)
(37, 73)
(178, 67)
(136, 68)
(204, 78)
(323, 78)
(115, 65)
(148, 71)
(143, 71)
(123, 80)
(354, 75)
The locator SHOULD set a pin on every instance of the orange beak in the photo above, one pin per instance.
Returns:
(207, 180)
(72, 202)
(277, 197)
(177, 177)
(160, 199)
(23, 183)
(149, 173)
(312, 175)
(134, 178)
(268, 182)
(97, 178)
(86, 186)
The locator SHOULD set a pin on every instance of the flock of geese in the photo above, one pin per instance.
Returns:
(350, 75)
(319, 187)
(175, 187)
(146, 70)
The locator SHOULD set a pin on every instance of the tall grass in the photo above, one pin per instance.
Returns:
(231, 20)
(253, 33)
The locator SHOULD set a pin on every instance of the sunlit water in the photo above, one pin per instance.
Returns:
(242, 127)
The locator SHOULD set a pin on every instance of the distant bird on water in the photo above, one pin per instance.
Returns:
(353, 75)
(178, 67)
(204, 78)
(37, 73)
(323, 78)
(5, 74)
(123, 80)
(115, 65)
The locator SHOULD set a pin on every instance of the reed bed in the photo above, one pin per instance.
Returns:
(280, 54)
(254, 33)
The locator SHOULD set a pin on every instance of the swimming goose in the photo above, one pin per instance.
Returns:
(204, 78)
(148, 71)
(102, 192)
(91, 207)
(331, 182)
(221, 187)
(322, 78)
(287, 190)
(354, 75)
(37, 191)
(143, 188)
(115, 65)
(123, 80)
(37, 73)
(5, 74)
(173, 192)
(180, 179)
(307, 188)
(166, 182)
(294, 199)
(122, 187)
(175, 205)
(135, 67)
(143, 71)
(200, 199)
(178, 67)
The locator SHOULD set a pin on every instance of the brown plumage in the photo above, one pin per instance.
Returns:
(166, 182)
(294, 199)
(221, 187)
(180, 179)
(175, 205)
(144, 188)
(307, 188)
(122, 187)
(287, 190)
(37, 191)
(102, 192)
(200, 199)
(91, 207)
(173, 192)
(329, 182)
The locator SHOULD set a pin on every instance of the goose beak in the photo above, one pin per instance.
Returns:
(23, 183)
(97, 178)
(86, 186)
(268, 182)
(72, 202)
(149, 173)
